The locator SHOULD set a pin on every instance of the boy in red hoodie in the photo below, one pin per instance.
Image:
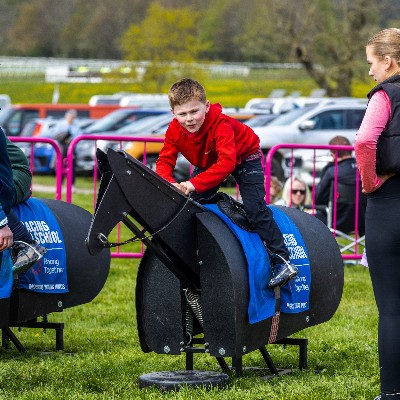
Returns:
(218, 145)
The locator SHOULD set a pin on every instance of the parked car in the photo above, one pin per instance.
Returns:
(145, 100)
(121, 118)
(310, 125)
(14, 117)
(260, 120)
(149, 126)
(43, 152)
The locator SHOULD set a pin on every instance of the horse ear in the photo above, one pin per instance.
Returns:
(102, 161)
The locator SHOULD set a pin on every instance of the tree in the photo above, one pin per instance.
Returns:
(36, 27)
(329, 40)
(165, 36)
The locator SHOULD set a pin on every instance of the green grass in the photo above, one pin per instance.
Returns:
(102, 358)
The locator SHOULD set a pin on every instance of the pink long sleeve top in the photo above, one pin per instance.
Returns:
(376, 117)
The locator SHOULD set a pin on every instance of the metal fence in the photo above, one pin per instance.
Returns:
(351, 244)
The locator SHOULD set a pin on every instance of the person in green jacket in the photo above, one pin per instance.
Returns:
(25, 250)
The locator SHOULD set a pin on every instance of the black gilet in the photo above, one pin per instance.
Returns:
(388, 147)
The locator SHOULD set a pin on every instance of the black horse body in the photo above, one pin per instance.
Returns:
(193, 248)
(86, 275)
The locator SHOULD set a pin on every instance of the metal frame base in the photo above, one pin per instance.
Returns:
(7, 334)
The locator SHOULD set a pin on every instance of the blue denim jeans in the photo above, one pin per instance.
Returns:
(249, 176)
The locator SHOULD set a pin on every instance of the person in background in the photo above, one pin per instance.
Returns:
(275, 189)
(295, 194)
(218, 145)
(346, 174)
(64, 132)
(377, 150)
(15, 178)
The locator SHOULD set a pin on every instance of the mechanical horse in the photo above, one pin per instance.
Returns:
(192, 292)
(85, 275)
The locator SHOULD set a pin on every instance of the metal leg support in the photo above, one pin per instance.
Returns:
(7, 334)
(302, 343)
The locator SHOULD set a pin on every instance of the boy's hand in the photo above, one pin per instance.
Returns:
(6, 238)
(186, 187)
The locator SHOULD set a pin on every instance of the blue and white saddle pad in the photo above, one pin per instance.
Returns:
(49, 274)
(295, 294)
(6, 274)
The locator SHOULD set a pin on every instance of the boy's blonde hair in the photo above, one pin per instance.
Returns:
(184, 90)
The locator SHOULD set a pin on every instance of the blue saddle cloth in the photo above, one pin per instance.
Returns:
(295, 294)
(6, 275)
(49, 274)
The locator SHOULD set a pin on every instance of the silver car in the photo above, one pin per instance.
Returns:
(311, 125)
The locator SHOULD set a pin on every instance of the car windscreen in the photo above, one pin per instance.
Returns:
(5, 114)
(145, 125)
(110, 120)
(288, 118)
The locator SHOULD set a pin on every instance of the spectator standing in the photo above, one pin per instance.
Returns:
(377, 149)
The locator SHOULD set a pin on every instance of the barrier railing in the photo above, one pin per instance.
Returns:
(352, 250)
(63, 168)
(59, 168)
(70, 175)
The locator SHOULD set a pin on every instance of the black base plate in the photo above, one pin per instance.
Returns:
(174, 380)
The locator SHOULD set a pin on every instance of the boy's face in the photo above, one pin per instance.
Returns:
(191, 114)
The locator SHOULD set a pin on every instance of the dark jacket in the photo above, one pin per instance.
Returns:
(388, 147)
(345, 213)
(22, 175)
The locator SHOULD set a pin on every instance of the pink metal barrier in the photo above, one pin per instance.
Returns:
(355, 253)
(63, 167)
(69, 174)
(59, 168)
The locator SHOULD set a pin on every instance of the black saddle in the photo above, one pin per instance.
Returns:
(231, 208)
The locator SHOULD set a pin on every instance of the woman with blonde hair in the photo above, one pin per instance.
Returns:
(377, 149)
(295, 194)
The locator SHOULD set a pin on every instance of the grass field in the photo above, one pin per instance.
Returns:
(102, 358)
(232, 91)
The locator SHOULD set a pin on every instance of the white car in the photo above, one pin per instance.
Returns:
(311, 125)
(306, 164)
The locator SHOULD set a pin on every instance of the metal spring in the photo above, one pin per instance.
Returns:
(188, 323)
(194, 302)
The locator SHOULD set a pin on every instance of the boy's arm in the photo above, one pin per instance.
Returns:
(166, 161)
(225, 163)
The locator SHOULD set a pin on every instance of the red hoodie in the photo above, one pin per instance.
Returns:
(218, 147)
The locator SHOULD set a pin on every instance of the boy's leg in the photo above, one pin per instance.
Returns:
(25, 250)
(250, 178)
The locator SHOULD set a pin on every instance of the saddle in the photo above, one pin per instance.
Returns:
(231, 208)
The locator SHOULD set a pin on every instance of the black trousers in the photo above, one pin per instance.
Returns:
(250, 177)
(382, 233)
